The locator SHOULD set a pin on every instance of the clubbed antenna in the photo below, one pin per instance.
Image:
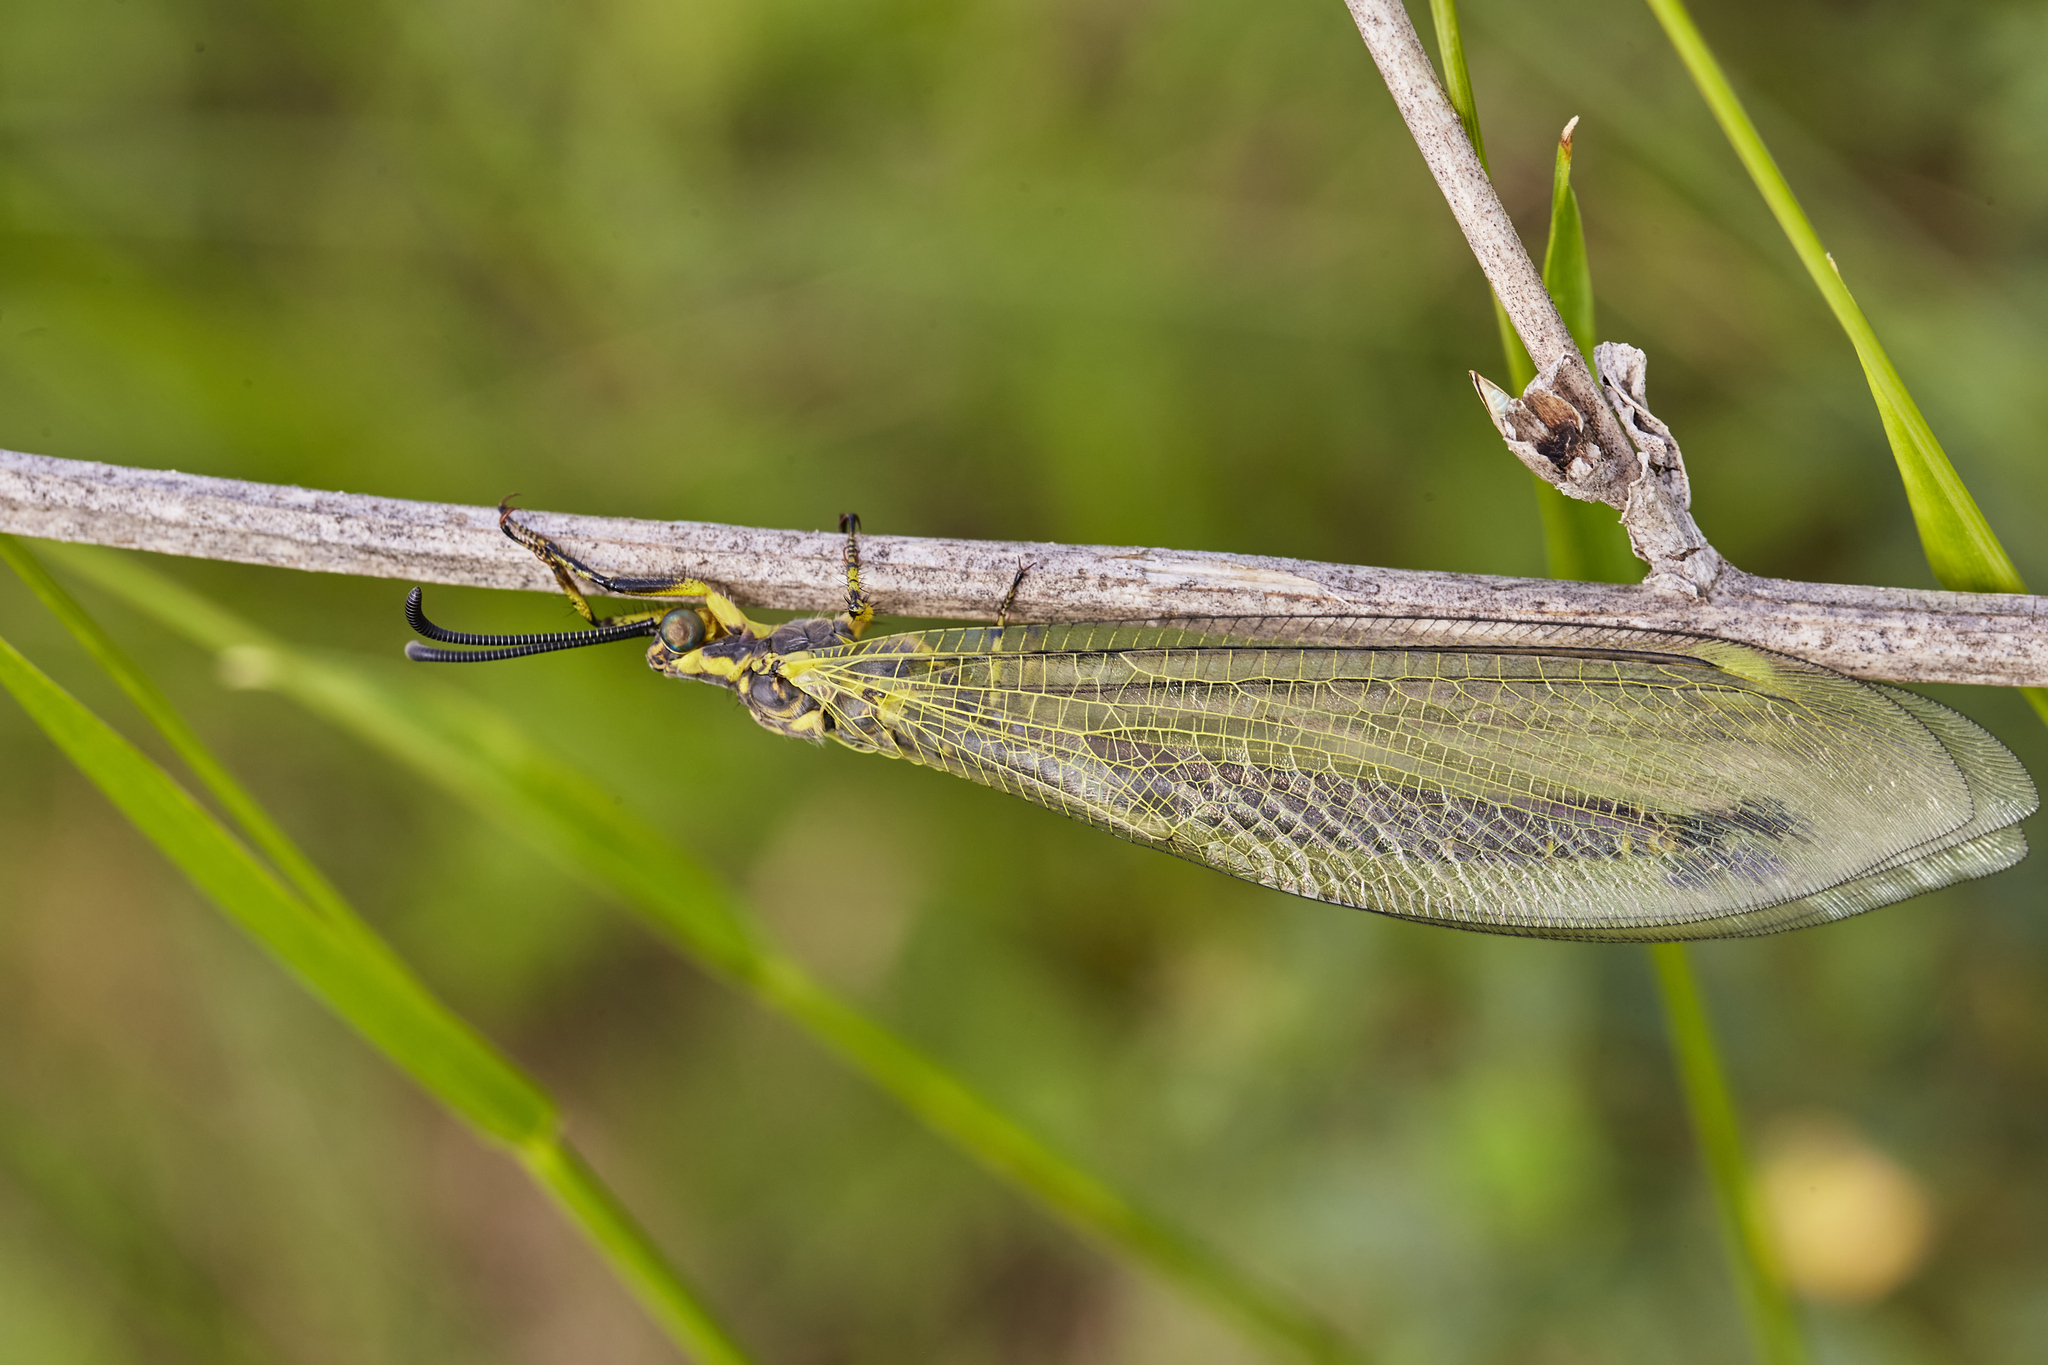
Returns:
(507, 646)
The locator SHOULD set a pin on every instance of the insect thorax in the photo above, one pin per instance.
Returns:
(751, 667)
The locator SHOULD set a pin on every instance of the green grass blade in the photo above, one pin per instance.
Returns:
(1961, 549)
(487, 762)
(249, 816)
(442, 1053)
(1773, 1324)
(1450, 48)
(1585, 541)
(1582, 540)
(1587, 538)
(337, 957)
(584, 1199)
(1959, 544)
(1567, 274)
(1450, 51)
(1521, 369)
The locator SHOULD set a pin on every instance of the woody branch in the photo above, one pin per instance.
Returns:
(1889, 633)
(1563, 427)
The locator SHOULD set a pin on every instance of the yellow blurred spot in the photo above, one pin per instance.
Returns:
(248, 667)
(1851, 1224)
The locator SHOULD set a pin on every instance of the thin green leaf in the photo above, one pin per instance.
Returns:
(1959, 543)
(1585, 541)
(255, 823)
(576, 1189)
(1450, 47)
(1582, 540)
(1567, 275)
(1521, 369)
(334, 954)
(441, 1052)
(1773, 1324)
(1961, 549)
(1588, 538)
(489, 763)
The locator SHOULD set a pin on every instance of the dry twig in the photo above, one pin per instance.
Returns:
(1892, 633)
(1560, 427)
(1563, 427)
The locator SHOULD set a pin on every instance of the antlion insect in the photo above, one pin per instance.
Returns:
(1560, 781)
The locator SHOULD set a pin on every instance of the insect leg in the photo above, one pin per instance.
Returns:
(1010, 597)
(561, 564)
(859, 611)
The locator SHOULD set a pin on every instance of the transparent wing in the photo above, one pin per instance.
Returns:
(2002, 794)
(1564, 781)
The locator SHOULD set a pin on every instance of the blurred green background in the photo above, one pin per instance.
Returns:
(1081, 270)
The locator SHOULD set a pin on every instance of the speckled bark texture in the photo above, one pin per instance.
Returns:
(1884, 633)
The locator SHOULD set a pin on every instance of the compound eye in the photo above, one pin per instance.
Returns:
(681, 631)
